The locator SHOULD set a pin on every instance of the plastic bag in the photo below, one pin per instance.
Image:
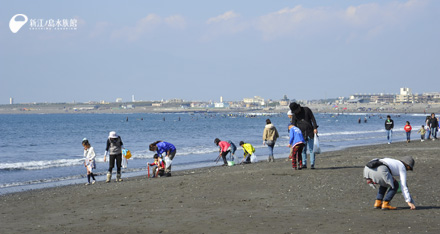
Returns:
(168, 162)
(126, 153)
(316, 147)
(254, 158)
(124, 162)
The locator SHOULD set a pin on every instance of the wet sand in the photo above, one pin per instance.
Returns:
(258, 198)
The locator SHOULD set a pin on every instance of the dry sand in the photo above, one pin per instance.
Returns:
(258, 198)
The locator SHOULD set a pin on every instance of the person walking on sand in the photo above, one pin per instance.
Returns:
(89, 160)
(422, 132)
(389, 125)
(114, 151)
(224, 149)
(408, 129)
(296, 145)
(304, 119)
(433, 124)
(270, 136)
(381, 171)
(164, 147)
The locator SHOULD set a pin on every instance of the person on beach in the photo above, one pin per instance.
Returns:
(164, 147)
(427, 127)
(381, 171)
(389, 125)
(158, 166)
(296, 143)
(270, 136)
(248, 150)
(233, 149)
(224, 149)
(408, 129)
(114, 151)
(89, 160)
(304, 119)
(422, 132)
(433, 124)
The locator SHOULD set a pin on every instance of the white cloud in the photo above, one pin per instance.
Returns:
(176, 21)
(223, 17)
(365, 20)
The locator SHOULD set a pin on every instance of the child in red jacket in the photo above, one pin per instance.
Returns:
(158, 166)
(408, 129)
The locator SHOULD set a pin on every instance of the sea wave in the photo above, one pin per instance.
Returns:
(38, 165)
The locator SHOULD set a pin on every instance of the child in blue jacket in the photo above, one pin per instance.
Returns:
(296, 142)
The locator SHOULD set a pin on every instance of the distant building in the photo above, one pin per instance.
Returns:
(132, 98)
(118, 99)
(285, 101)
(256, 100)
(406, 96)
(221, 98)
(11, 101)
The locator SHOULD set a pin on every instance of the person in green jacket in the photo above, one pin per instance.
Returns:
(248, 151)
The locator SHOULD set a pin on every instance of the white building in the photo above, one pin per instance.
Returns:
(11, 101)
(118, 99)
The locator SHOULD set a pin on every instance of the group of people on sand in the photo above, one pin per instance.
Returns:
(428, 130)
(165, 153)
(302, 130)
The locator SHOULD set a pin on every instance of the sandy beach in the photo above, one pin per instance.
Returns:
(258, 198)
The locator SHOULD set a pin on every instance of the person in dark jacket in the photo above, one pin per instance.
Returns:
(114, 150)
(303, 118)
(389, 125)
(434, 126)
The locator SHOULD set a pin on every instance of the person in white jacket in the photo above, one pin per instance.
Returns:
(395, 168)
(89, 160)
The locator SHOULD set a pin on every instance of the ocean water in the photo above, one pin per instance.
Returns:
(38, 150)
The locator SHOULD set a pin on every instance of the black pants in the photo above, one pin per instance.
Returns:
(118, 158)
(224, 156)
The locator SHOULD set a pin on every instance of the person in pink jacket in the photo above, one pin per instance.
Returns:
(224, 150)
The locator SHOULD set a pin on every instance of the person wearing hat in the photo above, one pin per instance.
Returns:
(303, 118)
(384, 176)
(114, 151)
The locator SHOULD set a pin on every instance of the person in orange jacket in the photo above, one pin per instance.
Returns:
(408, 129)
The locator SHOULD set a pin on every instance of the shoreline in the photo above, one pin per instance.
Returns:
(366, 108)
(256, 198)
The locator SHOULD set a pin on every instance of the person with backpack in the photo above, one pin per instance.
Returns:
(270, 136)
(164, 147)
(382, 172)
(114, 151)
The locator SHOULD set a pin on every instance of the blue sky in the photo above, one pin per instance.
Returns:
(201, 50)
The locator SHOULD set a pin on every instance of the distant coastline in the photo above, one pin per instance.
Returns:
(121, 108)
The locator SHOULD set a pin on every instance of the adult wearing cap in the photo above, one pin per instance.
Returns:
(114, 150)
(384, 176)
(303, 118)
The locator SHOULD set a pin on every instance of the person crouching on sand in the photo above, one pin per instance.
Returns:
(89, 161)
(248, 150)
(382, 173)
(114, 150)
(164, 147)
(158, 166)
(224, 149)
(296, 143)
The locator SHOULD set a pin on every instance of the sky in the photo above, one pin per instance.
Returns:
(201, 50)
